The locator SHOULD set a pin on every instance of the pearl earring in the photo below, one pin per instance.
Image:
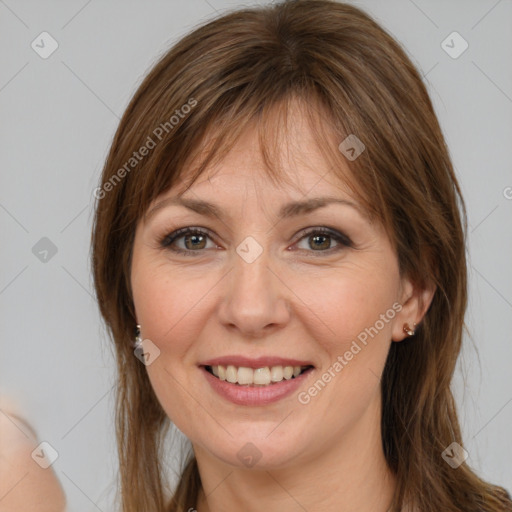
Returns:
(408, 330)
(138, 339)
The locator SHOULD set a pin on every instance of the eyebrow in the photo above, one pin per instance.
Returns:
(288, 210)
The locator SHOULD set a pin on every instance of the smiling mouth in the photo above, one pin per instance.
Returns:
(265, 376)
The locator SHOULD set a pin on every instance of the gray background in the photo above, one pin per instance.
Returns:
(58, 118)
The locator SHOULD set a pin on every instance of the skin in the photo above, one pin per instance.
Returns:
(24, 485)
(309, 303)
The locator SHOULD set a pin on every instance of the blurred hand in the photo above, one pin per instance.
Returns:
(24, 485)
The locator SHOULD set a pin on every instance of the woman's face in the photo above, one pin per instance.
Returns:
(279, 281)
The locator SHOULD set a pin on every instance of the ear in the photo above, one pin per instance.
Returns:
(415, 301)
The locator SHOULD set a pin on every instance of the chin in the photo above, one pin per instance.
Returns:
(256, 450)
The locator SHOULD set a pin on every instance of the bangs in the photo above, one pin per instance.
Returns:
(271, 119)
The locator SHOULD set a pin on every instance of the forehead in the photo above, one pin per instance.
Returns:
(305, 182)
(286, 154)
(288, 160)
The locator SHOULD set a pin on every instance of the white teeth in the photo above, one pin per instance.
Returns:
(288, 372)
(245, 375)
(262, 376)
(276, 373)
(231, 374)
(259, 376)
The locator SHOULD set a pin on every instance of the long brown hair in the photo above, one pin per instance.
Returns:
(351, 77)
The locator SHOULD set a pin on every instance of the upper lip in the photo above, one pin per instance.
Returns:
(259, 362)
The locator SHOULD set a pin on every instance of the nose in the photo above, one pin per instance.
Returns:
(255, 299)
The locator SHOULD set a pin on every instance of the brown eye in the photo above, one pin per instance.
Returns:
(194, 240)
(320, 240)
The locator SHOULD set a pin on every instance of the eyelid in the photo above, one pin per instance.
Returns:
(325, 230)
(169, 238)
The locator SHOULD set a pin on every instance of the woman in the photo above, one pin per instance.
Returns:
(280, 229)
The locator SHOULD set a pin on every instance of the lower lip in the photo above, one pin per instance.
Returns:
(254, 395)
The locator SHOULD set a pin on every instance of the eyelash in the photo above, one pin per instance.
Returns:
(168, 239)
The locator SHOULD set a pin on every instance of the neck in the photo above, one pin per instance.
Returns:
(349, 476)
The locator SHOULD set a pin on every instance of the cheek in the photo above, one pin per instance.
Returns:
(169, 304)
(344, 306)
(351, 319)
(170, 307)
